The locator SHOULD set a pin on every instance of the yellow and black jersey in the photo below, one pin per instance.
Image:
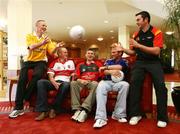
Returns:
(39, 53)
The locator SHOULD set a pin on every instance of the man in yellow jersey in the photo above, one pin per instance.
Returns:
(38, 46)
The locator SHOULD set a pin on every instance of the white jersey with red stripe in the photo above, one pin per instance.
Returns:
(61, 71)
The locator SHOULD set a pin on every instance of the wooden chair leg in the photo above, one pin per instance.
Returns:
(10, 91)
(149, 115)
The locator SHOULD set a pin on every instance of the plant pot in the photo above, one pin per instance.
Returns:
(176, 98)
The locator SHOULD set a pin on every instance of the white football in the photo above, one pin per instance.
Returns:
(118, 79)
(77, 32)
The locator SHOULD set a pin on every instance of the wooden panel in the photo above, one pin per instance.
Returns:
(74, 52)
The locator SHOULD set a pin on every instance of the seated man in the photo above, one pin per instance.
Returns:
(59, 73)
(87, 75)
(112, 69)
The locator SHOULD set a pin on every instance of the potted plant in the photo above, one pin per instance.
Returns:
(173, 41)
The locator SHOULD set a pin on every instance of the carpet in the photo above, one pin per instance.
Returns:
(63, 124)
(172, 114)
(5, 108)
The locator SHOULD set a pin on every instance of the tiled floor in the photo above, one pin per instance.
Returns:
(169, 86)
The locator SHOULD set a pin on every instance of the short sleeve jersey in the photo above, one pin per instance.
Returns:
(61, 70)
(121, 62)
(153, 37)
(38, 54)
(88, 71)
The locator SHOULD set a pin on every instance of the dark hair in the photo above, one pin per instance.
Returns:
(90, 49)
(144, 15)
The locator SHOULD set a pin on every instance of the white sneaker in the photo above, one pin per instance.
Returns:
(121, 120)
(16, 113)
(114, 118)
(161, 124)
(82, 116)
(99, 123)
(134, 120)
(76, 114)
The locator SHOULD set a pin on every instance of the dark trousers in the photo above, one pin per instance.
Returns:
(137, 78)
(42, 101)
(24, 90)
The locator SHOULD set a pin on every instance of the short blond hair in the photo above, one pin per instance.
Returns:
(60, 49)
(37, 22)
(115, 45)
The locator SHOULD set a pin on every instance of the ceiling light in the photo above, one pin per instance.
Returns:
(100, 38)
(169, 32)
(111, 31)
(112, 37)
(106, 21)
(73, 45)
(68, 27)
(60, 2)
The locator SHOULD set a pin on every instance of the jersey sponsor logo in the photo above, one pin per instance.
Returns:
(149, 37)
(94, 68)
(83, 70)
(58, 68)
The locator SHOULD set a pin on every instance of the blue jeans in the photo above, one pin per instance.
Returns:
(42, 101)
(102, 90)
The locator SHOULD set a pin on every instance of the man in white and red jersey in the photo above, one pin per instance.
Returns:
(87, 75)
(59, 73)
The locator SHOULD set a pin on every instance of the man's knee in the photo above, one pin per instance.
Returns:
(37, 75)
(93, 85)
(126, 85)
(42, 82)
(65, 86)
(102, 87)
(73, 83)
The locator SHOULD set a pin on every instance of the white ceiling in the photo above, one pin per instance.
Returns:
(60, 14)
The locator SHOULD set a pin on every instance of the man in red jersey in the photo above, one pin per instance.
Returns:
(87, 75)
